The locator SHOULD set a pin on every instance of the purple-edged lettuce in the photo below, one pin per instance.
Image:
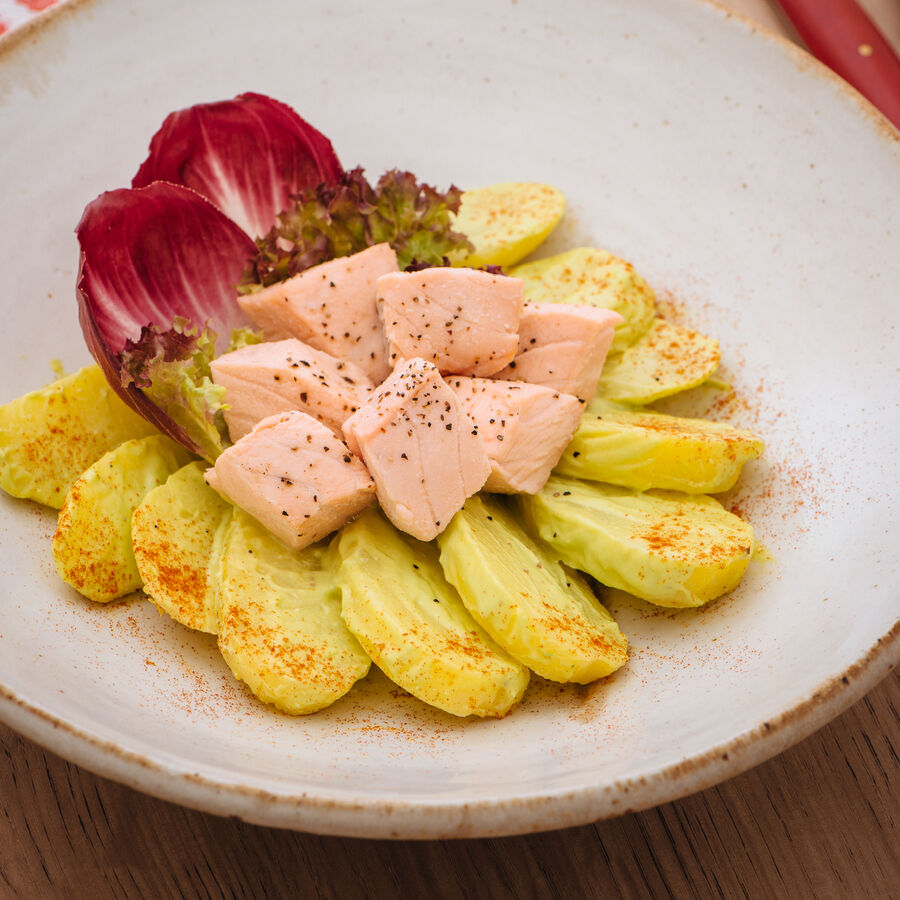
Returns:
(162, 256)
(171, 368)
(344, 217)
(248, 156)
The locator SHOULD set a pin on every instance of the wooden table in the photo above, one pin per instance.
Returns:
(818, 821)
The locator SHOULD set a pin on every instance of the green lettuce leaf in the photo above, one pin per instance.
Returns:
(171, 368)
(345, 217)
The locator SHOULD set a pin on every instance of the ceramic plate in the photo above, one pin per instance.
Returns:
(752, 189)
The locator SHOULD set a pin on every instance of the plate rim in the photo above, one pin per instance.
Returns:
(492, 817)
(423, 820)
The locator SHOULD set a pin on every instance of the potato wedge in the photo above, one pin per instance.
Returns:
(642, 449)
(665, 360)
(505, 222)
(669, 548)
(280, 625)
(50, 436)
(176, 532)
(589, 277)
(542, 613)
(414, 626)
(92, 545)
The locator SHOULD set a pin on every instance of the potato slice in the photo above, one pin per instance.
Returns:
(665, 360)
(542, 613)
(643, 449)
(92, 544)
(669, 548)
(588, 277)
(176, 532)
(414, 626)
(280, 626)
(50, 436)
(505, 222)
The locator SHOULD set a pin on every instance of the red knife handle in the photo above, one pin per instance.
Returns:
(840, 34)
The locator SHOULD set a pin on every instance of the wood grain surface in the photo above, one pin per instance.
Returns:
(818, 821)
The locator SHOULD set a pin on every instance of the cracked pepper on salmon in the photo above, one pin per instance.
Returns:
(420, 446)
(262, 380)
(464, 321)
(294, 477)
(330, 307)
(562, 347)
(524, 428)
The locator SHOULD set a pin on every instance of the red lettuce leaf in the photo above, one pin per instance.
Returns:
(148, 257)
(346, 216)
(247, 155)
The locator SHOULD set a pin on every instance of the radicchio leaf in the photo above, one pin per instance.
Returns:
(248, 156)
(148, 257)
(341, 218)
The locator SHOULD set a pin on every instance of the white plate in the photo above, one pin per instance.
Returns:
(738, 176)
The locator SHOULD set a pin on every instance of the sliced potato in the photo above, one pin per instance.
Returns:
(414, 626)
(175, 533)
(643, 449)
(542, 613)
(505, 222)
(665, 360)
(669, 548)
(50, 436)
(92, 544)
(280, 625)
(588, 277)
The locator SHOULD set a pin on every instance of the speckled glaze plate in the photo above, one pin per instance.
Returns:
(755, 191)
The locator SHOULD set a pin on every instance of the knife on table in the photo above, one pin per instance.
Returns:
(843, 37)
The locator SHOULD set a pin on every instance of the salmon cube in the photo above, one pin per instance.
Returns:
(464, 321)
(261, 380)
(420, 447)
(524, 427)
(563, 347)
(294, 477)
(330, 307)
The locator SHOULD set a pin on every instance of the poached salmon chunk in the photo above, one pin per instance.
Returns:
(524, 427)
(563, 347)
(261, 380)
(421, 448)
(331, 307)
(464, 321)
(294, 477)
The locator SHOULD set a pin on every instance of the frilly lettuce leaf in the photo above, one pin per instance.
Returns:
(248, 156)
(171, 368)
(345, 217)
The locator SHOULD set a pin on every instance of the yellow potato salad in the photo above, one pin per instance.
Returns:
(459, 622)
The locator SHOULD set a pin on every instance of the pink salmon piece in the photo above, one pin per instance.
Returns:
(261, 380)
(464, 321)
(421, 448)
(525, 429)
(563, 347)
(294, 477)
(332, 308)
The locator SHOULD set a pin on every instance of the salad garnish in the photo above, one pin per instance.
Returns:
(248, 156)
(171, 368)
(150, 257)
(162, 263)
(341, 218)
